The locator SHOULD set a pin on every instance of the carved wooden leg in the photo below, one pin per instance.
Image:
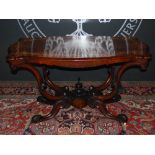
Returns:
(123, 119)
(41, 82)
(114, 80)
(142, 63)
(108, 81)
(40, 118)
(49, 83)
(46, 96)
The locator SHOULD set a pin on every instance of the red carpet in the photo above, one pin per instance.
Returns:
(18, 105)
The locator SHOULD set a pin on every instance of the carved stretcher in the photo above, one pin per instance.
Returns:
(78, 52)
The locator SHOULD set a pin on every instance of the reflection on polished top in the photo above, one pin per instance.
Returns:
(79, 47)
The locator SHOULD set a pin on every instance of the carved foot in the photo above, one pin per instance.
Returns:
(27, 131)
(123, 132)
(123, 119)
(37, 119)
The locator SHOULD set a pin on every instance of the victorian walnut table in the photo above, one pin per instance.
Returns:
(78, 52)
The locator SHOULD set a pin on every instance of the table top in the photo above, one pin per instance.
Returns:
(79, 51)
(79, 47)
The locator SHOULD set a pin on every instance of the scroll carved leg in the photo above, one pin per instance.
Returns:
(46, 96)
(41, 83)
(108, 81)
(121, 118)
(50, 84)
(40, 118)
(142, 63)
(114, 95)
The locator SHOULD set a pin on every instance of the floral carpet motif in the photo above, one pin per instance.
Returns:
(18, 105)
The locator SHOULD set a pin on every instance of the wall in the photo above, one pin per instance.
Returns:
(11, 30)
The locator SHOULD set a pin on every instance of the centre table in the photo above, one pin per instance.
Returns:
(79, 52)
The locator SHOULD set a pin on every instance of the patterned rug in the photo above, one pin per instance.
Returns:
(18, 105)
